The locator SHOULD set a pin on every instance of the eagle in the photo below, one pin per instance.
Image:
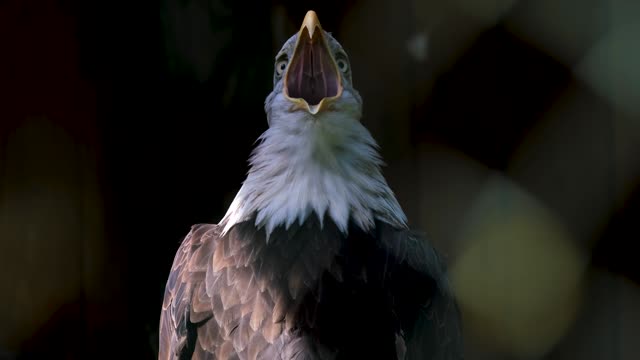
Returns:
(314, 258)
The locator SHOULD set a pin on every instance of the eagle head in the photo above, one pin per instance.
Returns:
(316, 157)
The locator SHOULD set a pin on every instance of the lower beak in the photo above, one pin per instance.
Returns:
(312, 80)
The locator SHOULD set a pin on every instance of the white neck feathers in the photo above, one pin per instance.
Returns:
(328, 166)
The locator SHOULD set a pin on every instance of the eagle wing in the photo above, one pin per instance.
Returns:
(425, 303)
(213, 308)
(186, 303)
(231, 296)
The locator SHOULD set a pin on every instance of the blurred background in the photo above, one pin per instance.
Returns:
(511, 130)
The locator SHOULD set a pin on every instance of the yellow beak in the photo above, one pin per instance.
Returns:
(312, 80)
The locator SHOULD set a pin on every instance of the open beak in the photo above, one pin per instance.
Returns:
(312, 80)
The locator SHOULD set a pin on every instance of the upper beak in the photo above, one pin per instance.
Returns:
(312, 79)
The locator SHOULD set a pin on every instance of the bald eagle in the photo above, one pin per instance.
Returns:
(314, 258)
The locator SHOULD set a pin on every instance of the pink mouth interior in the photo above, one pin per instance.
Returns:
(312, 75)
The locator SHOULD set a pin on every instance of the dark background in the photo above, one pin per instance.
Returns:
(510, 128)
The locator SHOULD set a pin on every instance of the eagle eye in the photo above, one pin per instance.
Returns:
(281, 66)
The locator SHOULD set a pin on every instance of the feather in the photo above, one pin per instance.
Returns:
(296, 281)
(229, 297)
(280, 308)
(209, 338)
(219, 261)
(228, 247)
(271, 331)
(401, 348)
(200, 259)
(231, 276)
(291, 318)
(246, 309)
(230, 319)
(336, 271)
(262, 282)
(256, 345)
(201, 354)
(244, 284)
(217, 308)
(200, 300)
(198, 316)
(209, 280)
(260, 310)
(226, 351)
(242, 334)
